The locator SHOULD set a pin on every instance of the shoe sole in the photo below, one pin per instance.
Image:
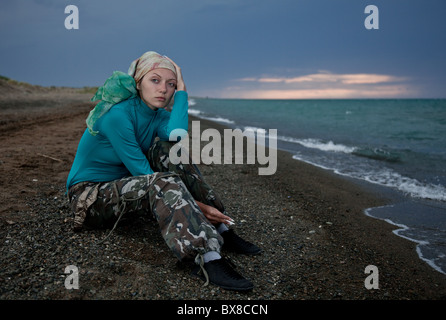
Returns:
(195, 273)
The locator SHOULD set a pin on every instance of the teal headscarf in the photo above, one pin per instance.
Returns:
(119, 87)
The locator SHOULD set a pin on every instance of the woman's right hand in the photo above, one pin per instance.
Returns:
(181, 86)
(213, 215)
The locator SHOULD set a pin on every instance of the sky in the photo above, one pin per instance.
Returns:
(249, 49)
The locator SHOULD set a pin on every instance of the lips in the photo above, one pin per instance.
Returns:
(161, 99)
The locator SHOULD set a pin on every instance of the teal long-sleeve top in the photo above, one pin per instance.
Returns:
(126, 133)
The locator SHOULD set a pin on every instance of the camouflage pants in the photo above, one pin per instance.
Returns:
(169, 195)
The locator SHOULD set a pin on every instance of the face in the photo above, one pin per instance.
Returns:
(157, 87)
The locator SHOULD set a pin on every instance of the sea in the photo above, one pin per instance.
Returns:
(397, 146)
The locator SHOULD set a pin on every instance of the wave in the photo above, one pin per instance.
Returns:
(194, 112)
(257, 130)
(319, 144)
(191, 102)
(421, 190)
(330, 146)
(199, 114)
(218, 119)
(378, 154)
(388, 178)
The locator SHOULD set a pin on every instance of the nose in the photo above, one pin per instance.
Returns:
(163, 88)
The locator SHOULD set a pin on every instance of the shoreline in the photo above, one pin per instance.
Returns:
(317, 241)
(382, 196)
(395, 201)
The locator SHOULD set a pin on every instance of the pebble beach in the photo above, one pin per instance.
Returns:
(310, 223)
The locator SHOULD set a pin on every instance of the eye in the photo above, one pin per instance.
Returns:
(155, 80)
(172, 84)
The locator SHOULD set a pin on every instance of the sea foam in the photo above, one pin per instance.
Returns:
(319, 144)
(388, 178)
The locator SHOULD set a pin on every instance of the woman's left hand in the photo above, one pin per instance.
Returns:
(181, 86)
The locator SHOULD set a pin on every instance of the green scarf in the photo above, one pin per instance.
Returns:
(119, 87)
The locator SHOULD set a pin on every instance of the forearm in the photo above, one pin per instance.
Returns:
(175, 123)
(179, 116)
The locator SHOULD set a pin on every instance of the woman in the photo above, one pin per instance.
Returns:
(120, 169)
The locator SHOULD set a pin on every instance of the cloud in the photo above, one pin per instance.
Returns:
(359, 78)
(322, 85)
(383, 92)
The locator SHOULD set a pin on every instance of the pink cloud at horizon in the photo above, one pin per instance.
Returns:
(322, 85)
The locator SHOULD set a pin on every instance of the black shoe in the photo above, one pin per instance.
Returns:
(221, 273)
(232, 242)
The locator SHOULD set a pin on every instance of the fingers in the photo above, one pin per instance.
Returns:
(229, 222)
(173, 62)
(180, 85)
(216, 216)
